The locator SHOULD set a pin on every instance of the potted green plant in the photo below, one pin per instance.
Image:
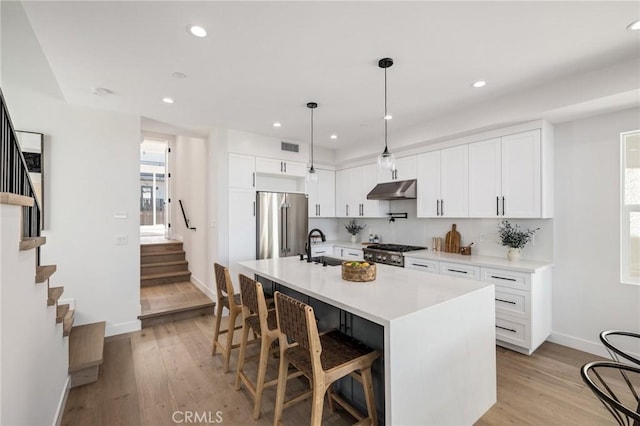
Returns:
(514, 237)
(354, 229)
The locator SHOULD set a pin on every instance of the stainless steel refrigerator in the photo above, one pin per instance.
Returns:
(282, 224)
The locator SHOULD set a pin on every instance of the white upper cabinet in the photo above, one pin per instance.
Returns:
(521, 181)
(505, 176)
(242, 171)
(485, 178)
(272, 166)
(322, 199)
(352, 187)
(443, 183)
(406, 169)
(429, 184)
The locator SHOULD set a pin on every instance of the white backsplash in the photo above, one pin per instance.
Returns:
(419, 231)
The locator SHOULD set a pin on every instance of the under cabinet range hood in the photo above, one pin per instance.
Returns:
(401, 190)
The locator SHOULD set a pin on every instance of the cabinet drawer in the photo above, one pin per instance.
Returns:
(422, 265)
(322, 251)
(512, 302)
(460, 270)
(348, 253)
(502, 277)
(512, 330)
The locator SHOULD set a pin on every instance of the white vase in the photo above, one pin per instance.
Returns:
(513, 254)
(354, 239)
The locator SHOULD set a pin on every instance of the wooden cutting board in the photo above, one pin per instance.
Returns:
(452, 241)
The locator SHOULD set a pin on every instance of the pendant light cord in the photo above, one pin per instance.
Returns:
(311, 138)
(385, 110)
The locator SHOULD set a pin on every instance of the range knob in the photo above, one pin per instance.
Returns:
(384, 257)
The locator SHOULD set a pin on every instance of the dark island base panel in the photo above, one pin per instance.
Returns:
(329, 317)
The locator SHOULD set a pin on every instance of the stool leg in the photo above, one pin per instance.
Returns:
(230, 332)
(281, 389)
(243, 348)
(216, 328)
(367, 384)
(332, 407)
(317, 402)
(262, 371)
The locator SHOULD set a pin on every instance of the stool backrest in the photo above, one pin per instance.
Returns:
(620, 397)
(224, 285)
(297, 322)
(253, 298)
(613, 340)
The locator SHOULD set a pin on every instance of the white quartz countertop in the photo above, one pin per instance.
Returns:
(396, 292)
(522, 265)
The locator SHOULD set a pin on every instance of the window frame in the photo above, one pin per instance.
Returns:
(625, 211)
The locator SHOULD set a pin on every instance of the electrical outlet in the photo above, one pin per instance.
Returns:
(122, 240)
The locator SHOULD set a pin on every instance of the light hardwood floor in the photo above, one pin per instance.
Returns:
(150, 374)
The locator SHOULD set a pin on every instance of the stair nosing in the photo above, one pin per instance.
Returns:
(170, 263)
(162, 253)
(176, 310)
(165, 275)
(29, 243)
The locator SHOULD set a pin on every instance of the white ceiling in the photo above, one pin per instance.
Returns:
(263, 61)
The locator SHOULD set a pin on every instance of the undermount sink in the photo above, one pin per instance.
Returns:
(330, 261)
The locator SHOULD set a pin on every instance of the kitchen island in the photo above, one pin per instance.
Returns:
(438, 335)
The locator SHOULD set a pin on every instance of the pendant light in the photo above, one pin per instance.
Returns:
(312, 176)
(386, 160)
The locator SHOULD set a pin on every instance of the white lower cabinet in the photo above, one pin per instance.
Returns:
(460, 270)
(321, 251)
(348, 253)
(522, 299)
(422, 264)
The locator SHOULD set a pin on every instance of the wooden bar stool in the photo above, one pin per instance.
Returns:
(263, 323)
(226, 299)
(322, 358)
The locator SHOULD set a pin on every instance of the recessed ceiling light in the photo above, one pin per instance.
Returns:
(388, 117)
(479, 83)
(197, 31)
(101, 91)
(277, 124)
(334, 136)
(167, 100)
(634, 26)
(179, 75)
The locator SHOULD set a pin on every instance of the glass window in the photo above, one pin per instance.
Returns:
(630, 209)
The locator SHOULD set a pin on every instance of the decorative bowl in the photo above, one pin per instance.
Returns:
(353, 271)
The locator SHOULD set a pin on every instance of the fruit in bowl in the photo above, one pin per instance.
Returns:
(359, 271)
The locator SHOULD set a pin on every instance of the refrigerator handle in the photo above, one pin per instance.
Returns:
(286, 225)
(282, 229)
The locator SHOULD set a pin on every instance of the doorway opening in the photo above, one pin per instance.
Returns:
(154, 188)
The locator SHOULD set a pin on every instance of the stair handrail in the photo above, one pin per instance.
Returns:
(186, 221)
(14, 174)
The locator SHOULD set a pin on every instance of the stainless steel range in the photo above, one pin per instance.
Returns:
(389, 254)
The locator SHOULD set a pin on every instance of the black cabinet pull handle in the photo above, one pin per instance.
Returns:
(254, 179)
(281, 167)
(505, 301)
(437, 207)
(422, 266)
(457, 270)
(502, 278)
(254, 208)
(285, 167)
(441, 207)
(497, 206)
(507, 329)
(503, 206)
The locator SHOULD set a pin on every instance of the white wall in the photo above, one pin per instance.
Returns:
(189, 183)
(34, 353)
(587, 294)
(91, 174)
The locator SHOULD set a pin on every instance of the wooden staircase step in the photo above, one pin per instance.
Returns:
(15, 199)
(160, 247)
(44, 272)
(168, 256)
(32, 242)
(67, 322)
(86, 346)
(165, 278)
(61, 311)
(158, 268)
(54, 295)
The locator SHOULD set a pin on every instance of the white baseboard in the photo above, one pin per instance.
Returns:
(206, 290)
(63, 402)
(122, 328)
(596, 348)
